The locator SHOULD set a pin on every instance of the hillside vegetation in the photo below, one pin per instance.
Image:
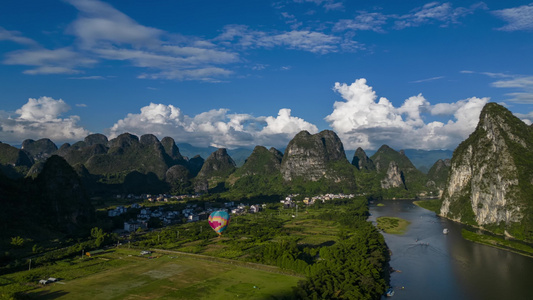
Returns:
(490, 182)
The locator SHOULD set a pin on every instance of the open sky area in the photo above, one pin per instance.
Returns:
(410, 74)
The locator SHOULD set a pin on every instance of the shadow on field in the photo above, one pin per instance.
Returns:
(326, 244)
(281, 296)
(44, 295)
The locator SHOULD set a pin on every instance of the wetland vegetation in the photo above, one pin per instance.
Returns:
(392, 225)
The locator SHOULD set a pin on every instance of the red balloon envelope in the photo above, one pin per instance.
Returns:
(219, 220)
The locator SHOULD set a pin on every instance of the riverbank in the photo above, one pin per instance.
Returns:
(392, 225)
(447, 266)
(495, 241)
(498, 242)
(430, 204)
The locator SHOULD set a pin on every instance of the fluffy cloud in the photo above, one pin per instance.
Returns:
(363, 120)
(518, 18)
(40, 118)
(216, 127)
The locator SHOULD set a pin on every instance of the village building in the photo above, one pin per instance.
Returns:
(255, 208)
(132, 226)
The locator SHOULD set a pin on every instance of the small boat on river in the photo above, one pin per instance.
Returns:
(390, 292)
(445, 231)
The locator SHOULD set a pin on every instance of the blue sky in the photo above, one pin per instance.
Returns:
(410, 74)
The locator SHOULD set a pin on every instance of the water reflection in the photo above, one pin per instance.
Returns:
(437, 266)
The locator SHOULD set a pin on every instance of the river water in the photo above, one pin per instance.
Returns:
(437, 266)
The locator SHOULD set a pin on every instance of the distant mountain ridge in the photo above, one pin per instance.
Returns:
(239, 155)
(311, 164)
(131, 164)
(422, 159)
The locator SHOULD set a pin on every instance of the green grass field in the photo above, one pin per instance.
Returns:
(312, 231)
(392, 225)
(433, 204)
(213, 267)
(171, 277)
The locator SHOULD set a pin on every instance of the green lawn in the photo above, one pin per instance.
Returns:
(172, 277)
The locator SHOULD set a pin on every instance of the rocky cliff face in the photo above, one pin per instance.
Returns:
(172, 150)
(307, 156)
(128, 153)
(362, 162)
(217, 167)
(125, 163)
(10, 155)
(95, 139)
(400, 174)
(14, 163)
(393, 178)
(39, 150)
(386, 154)
(317, 158)
(438, 173)
(490, 181)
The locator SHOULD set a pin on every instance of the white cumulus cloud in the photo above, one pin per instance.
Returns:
(363, 120)
(40, 118)
(216, 127)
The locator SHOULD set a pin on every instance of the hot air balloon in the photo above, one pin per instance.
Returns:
(219, 220)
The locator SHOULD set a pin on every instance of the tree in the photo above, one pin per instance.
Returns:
(17, 241)
(99, 235)
(36, 248)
